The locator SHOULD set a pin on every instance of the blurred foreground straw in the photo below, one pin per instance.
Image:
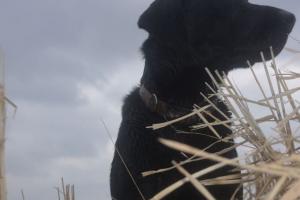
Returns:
(271, 164)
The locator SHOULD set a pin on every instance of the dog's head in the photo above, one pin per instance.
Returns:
(219, 33)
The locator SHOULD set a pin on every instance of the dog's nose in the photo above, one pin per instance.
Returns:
(289, 19)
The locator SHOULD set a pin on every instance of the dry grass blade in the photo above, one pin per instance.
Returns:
(282, 94)
(291, 50)
(123, 161)
(293, 193)
(58, 192)
(168, 123)
(201, 116)
(277, 188)
(3, 195)
(194, 182)
(251, 101)
(277, 116)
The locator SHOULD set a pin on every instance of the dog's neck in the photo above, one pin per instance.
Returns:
(173, 75)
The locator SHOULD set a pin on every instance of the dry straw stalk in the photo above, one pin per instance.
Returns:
(2, 131)
(65, 192)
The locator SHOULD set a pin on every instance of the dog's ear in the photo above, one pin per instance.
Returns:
(163, 19)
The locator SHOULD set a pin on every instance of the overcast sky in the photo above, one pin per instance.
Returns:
(69, 63)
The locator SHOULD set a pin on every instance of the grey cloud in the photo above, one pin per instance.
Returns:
(96, 28)
(50, 45)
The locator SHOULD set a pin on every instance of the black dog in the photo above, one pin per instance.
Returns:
(185, 36)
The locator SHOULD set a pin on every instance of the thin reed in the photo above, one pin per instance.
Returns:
(3, 195)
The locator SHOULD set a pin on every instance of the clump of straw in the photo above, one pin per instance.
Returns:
(66, 191)
(271, 165)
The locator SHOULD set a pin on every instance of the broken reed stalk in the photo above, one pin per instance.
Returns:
(271, 165)
(67, 191)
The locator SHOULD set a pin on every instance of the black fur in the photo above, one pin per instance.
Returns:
(185, 36)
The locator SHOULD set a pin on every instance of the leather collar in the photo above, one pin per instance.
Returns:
(160, 107)
(152, 101)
